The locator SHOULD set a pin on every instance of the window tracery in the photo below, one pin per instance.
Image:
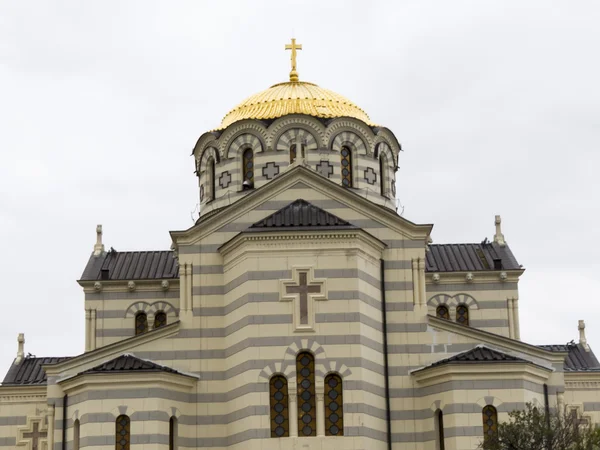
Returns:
(248, 168)
(346, 159)
(278, 392)
(141, 323)
(122, 433)
(490, 422)
(462, 315)
(305, 376)
(334, 406)
(442, 312)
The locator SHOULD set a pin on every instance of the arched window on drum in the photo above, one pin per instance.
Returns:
(383, 175)
(211, 182)
(248, 169)
(305, 376)
(278, 392)
(334, 405)
(346, 160)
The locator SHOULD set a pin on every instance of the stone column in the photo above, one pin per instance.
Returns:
(415, 279)
(93, 330)
(320, 391)
(293, 415)
(516, 316)
(422, 294)
(511, 318)
(50, 416)
(88, 315)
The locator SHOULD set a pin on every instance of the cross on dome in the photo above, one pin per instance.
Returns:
(293, 47)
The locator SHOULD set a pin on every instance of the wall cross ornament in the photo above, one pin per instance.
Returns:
(325, 168)
(31, 436)
(270, 170)
(225, 179)
(370, 175)
(303, 290)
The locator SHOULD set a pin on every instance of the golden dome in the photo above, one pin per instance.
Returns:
(294, 97)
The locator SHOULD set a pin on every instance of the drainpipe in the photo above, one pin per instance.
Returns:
(547, 411)
(385, 356)
(64, 424)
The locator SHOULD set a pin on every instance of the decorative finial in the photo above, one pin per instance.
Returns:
(582, 339)
(20, 349)
(499, 237)
(293, 47)
(99, 247)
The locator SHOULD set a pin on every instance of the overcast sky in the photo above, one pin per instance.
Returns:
(496, 104)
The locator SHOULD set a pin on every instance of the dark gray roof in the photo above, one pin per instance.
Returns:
(479, 354)
(128, 363)
(300, 214)
(578, 359)
(149, 265)
(469, 257)
(29, 371)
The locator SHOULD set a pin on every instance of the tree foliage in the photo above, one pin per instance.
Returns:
(532, 429)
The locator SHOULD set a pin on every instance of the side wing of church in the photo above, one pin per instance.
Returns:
(300, 311)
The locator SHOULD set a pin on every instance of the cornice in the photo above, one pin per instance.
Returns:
(473, 277)
(86, 360)
(481, 371)
(23, 394)
(322, 185)
(481, 336)
(153, 285)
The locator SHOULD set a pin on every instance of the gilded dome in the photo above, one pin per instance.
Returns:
(294, 97)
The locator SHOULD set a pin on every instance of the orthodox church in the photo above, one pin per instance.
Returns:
(301, 311)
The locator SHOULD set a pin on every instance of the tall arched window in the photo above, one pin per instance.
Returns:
(383, 175)
(160, 319)
(305, 375)
(292, 153)
(334, 406)
(346, 158)
(439, 430)
(248, 169)
(278, 392)
(462, 314)
(76, 434)
(141, 323)
(211, 180)
(122, 433)
(490, 422)
(442, 312)
(173, 432)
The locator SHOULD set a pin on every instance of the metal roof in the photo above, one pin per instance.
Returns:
(578, 359)
(128, 363)
(29, 371)
(147, 265)
(479, 354)
(300, 214)
(470, 257)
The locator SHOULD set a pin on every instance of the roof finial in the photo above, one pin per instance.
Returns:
(582, 339)
(499, 237)
(20, 349)
(99, 247)
(293, 47)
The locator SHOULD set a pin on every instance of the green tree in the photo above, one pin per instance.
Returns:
(533, 429)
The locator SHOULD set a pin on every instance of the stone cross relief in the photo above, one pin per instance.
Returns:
(303, 290)
(271, 170)
(325, 168)
(225, 179)
(35, 435)
(370, 175)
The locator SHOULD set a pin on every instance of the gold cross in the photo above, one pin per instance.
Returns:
(293, 47)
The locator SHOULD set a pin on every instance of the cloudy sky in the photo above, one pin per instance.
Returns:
(496, 104)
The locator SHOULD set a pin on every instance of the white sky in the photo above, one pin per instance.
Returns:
(496, 104)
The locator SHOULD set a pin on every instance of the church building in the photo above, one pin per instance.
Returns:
(301, 311)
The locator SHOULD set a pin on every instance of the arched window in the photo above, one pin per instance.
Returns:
(442, 312)
(160, 319)
(334, 406)
(490, 422)
(141, 323)
(173, 432)
(439, 430)
(278, 391)
(122, 433)
(292, 153)
(76, 435)
(248, 169)
(346, 157)
(383, 174)
(305, 375)
(211, 181)
(462, 315)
